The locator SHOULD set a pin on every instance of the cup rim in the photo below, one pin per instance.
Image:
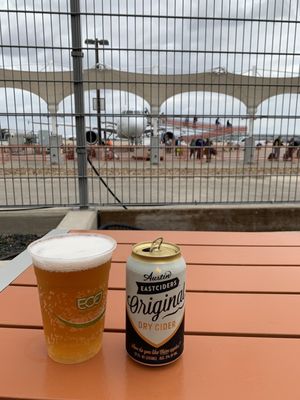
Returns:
(63, 235)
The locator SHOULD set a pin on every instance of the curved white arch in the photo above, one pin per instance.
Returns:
(18, 108)
(201, 100)
(116, 102)
(280, 110)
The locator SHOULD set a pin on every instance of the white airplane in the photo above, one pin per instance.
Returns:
(131, 125)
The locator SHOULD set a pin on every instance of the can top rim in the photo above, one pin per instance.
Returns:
(164, 251)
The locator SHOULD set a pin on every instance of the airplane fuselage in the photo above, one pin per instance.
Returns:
(132, 124)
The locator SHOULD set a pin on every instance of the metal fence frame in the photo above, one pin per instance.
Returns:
(131, 174)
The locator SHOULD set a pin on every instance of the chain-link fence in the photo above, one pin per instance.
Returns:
(148, 103)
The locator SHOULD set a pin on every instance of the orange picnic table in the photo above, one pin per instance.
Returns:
(242, 331)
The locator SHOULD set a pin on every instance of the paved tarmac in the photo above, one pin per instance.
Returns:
(136, 188)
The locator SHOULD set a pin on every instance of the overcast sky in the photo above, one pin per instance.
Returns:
(158, 36)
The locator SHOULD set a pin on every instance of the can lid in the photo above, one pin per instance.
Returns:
(158, 249)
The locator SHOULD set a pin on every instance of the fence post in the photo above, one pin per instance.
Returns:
(155, 139)
(77, 55)
(249, 141)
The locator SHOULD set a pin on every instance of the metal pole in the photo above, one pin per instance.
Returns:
(98, 94)
(53, 138)
(249, 142)
(77, 55)
(154, 140)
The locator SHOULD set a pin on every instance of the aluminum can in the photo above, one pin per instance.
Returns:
(155, 300)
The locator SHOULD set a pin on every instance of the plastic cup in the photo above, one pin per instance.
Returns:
(72, 275)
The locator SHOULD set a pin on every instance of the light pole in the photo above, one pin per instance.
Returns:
(96, 42)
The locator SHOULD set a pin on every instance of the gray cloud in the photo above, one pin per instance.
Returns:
(152, 40)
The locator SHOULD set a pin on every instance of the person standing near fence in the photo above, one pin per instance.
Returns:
(292, 145)
(199, 148)
(209, 150)
(193, 148)
(276, 147)
(177, 147)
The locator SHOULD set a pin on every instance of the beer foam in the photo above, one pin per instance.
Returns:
(71, 252)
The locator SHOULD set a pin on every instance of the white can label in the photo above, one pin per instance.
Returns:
(155, 304)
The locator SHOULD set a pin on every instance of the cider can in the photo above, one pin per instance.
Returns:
(155, 303)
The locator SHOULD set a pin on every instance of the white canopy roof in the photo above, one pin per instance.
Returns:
(53, 87)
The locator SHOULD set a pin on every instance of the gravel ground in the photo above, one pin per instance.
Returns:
(12, 245)
(205, 169)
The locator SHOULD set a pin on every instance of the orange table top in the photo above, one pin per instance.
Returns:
(242, 327)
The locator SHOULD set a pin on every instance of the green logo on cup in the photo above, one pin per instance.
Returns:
(86, 303)
(90, 301)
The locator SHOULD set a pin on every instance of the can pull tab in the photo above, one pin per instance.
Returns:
(155, 246)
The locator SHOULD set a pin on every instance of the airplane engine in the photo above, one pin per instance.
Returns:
(91, 137)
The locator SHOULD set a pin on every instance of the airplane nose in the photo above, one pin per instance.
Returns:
(133, 126)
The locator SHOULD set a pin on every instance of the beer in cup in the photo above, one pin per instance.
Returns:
(72, 275)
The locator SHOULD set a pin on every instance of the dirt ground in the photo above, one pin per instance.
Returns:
(12, 245)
